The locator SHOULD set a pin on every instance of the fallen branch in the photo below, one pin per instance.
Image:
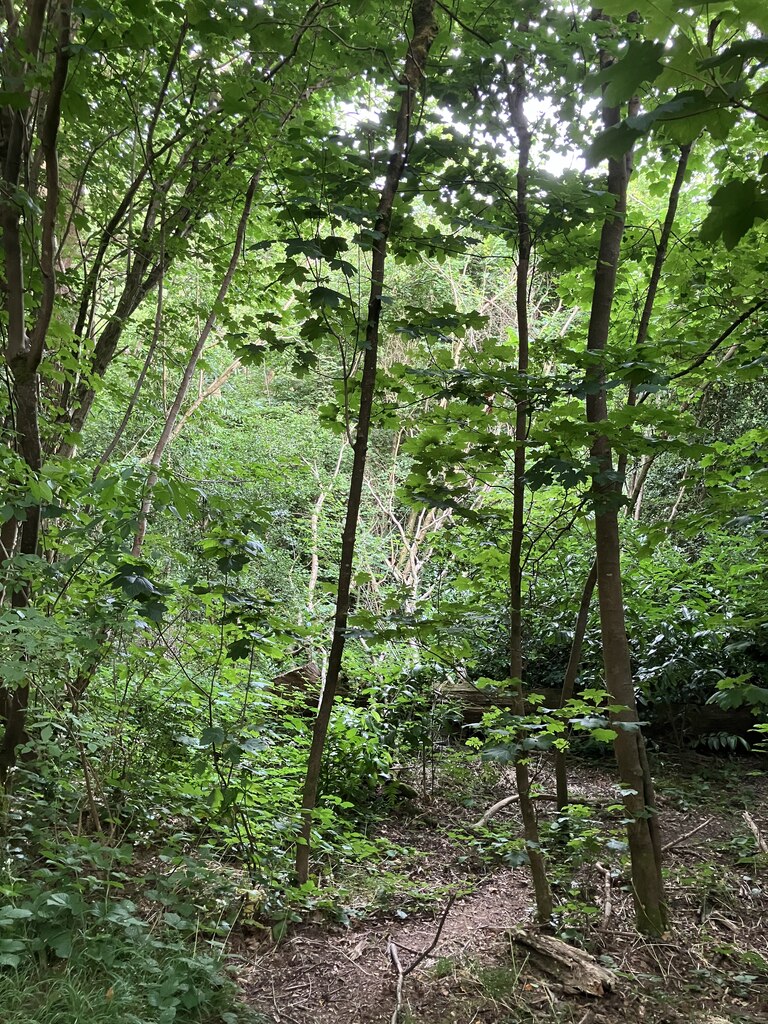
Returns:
(576, 970)
(547, 798)
(402, 973)
(607, 904)
(492, 810)
(425, 952)
(686, 835)
(752, 826)
(394, 956)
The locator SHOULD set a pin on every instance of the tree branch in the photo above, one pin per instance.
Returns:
(48, 138)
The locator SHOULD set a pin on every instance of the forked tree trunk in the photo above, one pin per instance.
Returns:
(542, 890)
(629, 745)
(424, 32)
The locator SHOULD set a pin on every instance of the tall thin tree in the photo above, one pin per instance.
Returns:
(517, 94)
(629, 745)
(424, 32)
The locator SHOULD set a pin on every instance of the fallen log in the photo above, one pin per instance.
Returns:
(577, 971)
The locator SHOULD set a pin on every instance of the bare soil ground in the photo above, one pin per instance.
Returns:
(712, 966)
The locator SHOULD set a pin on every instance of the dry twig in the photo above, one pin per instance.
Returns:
(607, 904)
(394, 956)
(402, 973)
(686, 835)
(752, 826)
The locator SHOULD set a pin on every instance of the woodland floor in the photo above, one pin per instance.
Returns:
(711, 967)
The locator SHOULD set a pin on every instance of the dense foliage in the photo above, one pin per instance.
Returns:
(216, 219)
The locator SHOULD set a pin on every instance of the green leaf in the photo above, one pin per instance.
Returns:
(734, 208)
(9, 914)
(640, 64)
(212, 736)
(322, 296)
(613, 143)
(746, 49)
(604, 735)
(61, 944)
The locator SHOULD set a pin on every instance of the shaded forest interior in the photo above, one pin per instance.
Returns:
(383, 526)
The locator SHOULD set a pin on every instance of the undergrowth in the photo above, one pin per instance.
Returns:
(137, 982)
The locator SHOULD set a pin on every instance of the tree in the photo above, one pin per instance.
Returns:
(37, 51)
(146, 158)
(643, 831)
(424, 32)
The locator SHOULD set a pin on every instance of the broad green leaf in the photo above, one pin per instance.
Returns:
(639, 65)
(212, 736)
(613, 143)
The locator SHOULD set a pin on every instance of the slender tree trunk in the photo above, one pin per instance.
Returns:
(109, 450)
(424, 31)
(214, 388)
(569, 679)
(314, 525)
(186, 380)
(544, 906)
(577, 644)
(679, 499)
(629, 745)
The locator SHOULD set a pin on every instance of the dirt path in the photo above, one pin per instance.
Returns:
(323, 976)
(710, 969)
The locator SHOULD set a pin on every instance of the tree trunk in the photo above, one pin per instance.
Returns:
(15, 700)
(181, 393)
(635, 495)
(25, 348)
(109, 450)
(569, 679)
(542, 890)
(424, 31)
(629, 745)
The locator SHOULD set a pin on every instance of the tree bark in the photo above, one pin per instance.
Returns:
(25, 349)
(544, 905)
(424, 31)
(577, 644)
(570, 677)
(629, 745)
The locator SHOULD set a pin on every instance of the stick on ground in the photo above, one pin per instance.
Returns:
(752, 826)
(686, 835)
(402, 974)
